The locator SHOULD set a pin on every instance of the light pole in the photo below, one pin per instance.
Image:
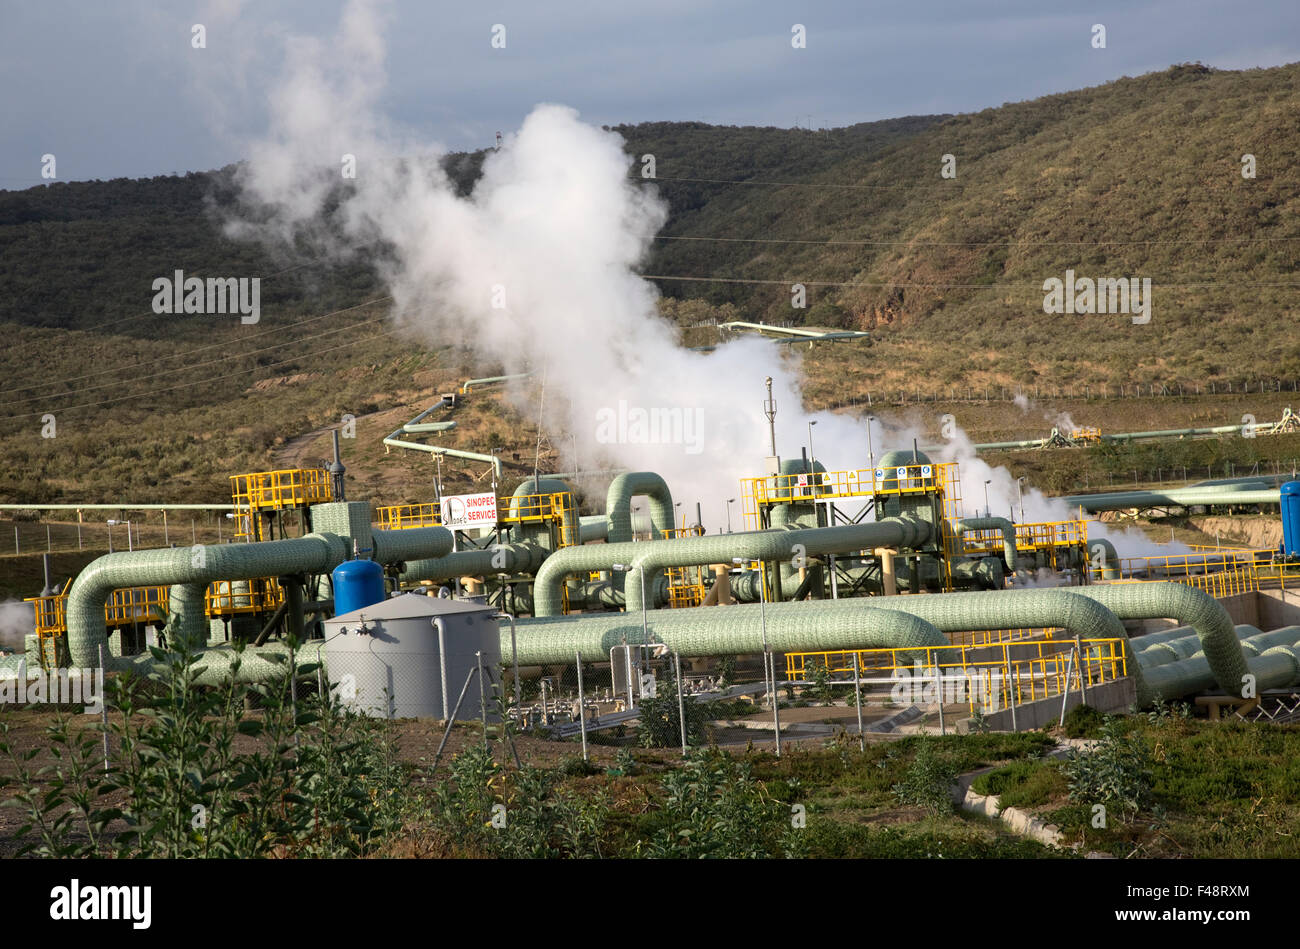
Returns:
(730, 501)
(676, 505)
(871, 454)
(812, 456)
(987, 511)
(769, 409)
(1020, 496)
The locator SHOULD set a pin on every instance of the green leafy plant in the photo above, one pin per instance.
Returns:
(713, 807)
(1083, 721)
(1117, 771)
(818, 677)
(660, 723)
(318, 780)
(928, 780)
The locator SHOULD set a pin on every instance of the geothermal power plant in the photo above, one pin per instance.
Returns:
(872, 576)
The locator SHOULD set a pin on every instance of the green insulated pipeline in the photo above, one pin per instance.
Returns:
(776, 545)
(1189, 607)
(186, 569)
(1173, 497)
(989, 524)
(1272, 659)
(414, 426)
(618, 504)
(819, 625)
(1091, 612)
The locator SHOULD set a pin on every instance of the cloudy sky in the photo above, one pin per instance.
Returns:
(116, 88)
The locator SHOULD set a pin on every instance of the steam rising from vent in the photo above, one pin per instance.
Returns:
(537, 271)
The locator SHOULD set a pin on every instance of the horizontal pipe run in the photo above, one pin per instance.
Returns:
(1174, 497)
(737, 630)
(772, 545)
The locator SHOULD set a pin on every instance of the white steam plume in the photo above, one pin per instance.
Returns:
(537, 270)
(1006, 501)
(16, 621)
(554, 231)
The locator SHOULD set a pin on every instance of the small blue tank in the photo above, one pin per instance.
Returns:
(1291, 519)
(357, 584)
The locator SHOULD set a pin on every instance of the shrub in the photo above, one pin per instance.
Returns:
(928, 780)
(660, 722)
(1083, 721)
(1118, 771)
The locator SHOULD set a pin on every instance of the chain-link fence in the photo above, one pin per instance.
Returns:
(38, 531)
(1103, 391)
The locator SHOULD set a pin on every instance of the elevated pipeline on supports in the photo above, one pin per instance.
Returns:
(843, 624)
(774, 545)
(393, 441)
(1172, 497)
(186, 569)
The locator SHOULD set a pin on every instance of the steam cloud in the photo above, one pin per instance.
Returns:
(555, 230)
(16, 621)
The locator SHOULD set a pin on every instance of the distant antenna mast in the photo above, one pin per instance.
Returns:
(537, 458)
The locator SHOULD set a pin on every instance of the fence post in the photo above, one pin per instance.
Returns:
(482, 697)
(1011, 685)
(857, 697)
(938, 681)
(582, 707)
(681, 700)
(1065, 697)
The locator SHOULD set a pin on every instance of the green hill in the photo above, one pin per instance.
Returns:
(1139, 177)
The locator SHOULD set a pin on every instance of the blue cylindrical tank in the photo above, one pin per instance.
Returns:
(357, 584)
(1291, 518)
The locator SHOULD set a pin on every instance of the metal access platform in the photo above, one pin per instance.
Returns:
(261, 498)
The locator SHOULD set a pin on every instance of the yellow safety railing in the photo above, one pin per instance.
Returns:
(553, 509)
(556, 509)
(685, 584)
(929, 478)
(149, 605)
(1049, 537)
(1229, 581)
(231, 597)
(275, 491)
(127, 605)
(996, 637)
(136, 605)
(1024, 672)
(395, 517)
(1183, 565)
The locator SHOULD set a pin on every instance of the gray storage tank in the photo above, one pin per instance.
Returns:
(385, 661)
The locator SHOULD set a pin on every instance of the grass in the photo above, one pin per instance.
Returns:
(1022, 783)
(1218, 790)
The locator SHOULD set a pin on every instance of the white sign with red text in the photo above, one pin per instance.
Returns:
(464, 511)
